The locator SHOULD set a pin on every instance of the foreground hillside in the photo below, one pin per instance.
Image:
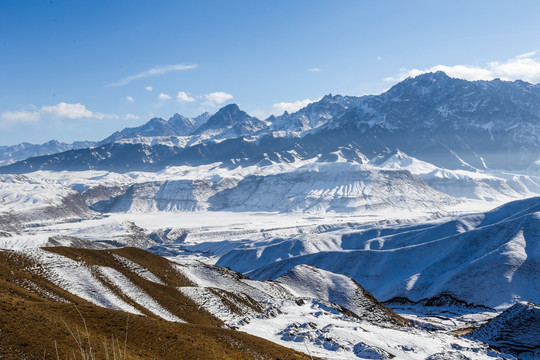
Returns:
(163, 310)
(37, 317)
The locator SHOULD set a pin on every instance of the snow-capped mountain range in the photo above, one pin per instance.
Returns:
(11, 154)
(451, 123)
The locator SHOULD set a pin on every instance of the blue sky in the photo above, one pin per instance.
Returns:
(73, 70)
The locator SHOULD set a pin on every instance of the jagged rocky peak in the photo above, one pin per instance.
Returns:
(430, 84)
(177, 125)
(155, 127)
(423, 86)
(155, 121)
(438, 78)
(201, 119)
(227, 116)
(316, 114)
(178, 118)
(181, 124)
(11, 154)
(230, 117)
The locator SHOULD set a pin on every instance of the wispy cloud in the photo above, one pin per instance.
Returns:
(184, 97)
(130, 98)
(216, 98)
(523, 67)
(164, 96)
(157, 70)
(20, 116)
(148, 88)
(314, 70)
(292, 106)
(61, 110)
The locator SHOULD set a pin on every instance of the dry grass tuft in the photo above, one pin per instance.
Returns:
(115, 350)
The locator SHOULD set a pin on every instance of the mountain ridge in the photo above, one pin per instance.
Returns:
(448, 122)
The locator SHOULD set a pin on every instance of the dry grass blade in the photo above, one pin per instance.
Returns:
(309, 352)
(87, 351)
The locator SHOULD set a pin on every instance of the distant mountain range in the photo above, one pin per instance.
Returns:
(11, 154)
(177, 125)
(448, 122)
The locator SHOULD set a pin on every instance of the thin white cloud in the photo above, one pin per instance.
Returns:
(292, 106)
(131, 117)
(148, 88)
(130, 98)
(20, 116)
(61, 110)
(69, 111)
(314, 70)
(522, 67)
(216, 98)
(164, 96)
(157, 70)
(183, 97)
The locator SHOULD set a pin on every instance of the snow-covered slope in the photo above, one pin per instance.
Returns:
(316, 187)
(421, 261)
(339, 187)
(309, 281)
(475, 184)
(26, 199)
(175, 195)
(516, 330)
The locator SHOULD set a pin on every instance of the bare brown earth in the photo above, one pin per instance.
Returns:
(36, 317)
(464, 331)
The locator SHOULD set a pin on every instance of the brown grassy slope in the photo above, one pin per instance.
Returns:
(29, 330)
(30, 324)
(167, 295)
